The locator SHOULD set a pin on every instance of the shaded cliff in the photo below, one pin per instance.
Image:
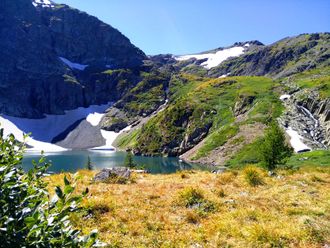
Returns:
(52, 59)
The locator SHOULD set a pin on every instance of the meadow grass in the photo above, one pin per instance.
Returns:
(291, 209)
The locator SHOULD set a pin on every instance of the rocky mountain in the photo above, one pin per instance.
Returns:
(210, 107)
(280, 59)
(283, 58)
(52, 58)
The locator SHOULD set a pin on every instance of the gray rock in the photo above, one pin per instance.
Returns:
(106, 173)
(83, 136)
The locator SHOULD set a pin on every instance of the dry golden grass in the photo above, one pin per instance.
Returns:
(290, 211)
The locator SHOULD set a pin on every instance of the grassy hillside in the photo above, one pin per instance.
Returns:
(204, 107)
(201, 209)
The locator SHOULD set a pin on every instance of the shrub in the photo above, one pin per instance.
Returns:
(192, 217)
(221, 193)
(274, 150)
(190, 197)
(28, 218)
(226, 178)
(317, 179)
(115, 179)
(183, 176)
(99, 207)
(253, 176)
(194, 198)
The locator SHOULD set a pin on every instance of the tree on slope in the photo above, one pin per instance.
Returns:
(274, 149)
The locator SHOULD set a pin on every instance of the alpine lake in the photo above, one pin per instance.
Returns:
(72, 161)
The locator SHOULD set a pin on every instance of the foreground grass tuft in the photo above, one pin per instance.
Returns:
(253, 176)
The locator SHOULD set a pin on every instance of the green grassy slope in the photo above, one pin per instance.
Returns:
(201, 107)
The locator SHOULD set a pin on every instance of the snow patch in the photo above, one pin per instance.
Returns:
(224, 75)
(11, 128)
(94, 118)
(73, 65)
(214, 59)
(43, 3)
(110, 137)
(296, 141)
(45, 129)
(284, 97)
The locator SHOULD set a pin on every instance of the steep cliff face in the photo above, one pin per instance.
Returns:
(308, 106)
(52, 58)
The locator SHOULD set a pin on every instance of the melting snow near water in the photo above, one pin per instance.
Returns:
(45, 129)
(110, 137)
(11, 128)
(215, 59)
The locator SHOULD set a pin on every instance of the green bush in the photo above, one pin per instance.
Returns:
(252, 176)
(190, 197)
(194, 198)
(28, 217)
(115, 179)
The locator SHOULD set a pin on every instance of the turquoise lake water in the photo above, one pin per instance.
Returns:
(71, 161)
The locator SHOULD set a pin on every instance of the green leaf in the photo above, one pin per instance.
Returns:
(68, 189)
(66, 181)
(59, 192)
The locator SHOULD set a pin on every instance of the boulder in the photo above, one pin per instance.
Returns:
(106, 173)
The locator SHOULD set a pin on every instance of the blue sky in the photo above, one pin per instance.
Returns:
(189, 26)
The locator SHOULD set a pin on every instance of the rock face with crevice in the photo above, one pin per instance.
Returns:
(309, 116)
(33, 78)
(320, 109)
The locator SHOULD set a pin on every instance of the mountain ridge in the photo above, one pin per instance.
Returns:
(61, 59)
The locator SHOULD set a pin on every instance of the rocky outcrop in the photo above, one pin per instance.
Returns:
(52, 59)
(116, 120)
(243, 105)
(82, 136)
(108, 173)
(192, 139)
(320, 110)
(307, 114)
(247, 134)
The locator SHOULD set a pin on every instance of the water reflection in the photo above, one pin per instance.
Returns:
(71, 161)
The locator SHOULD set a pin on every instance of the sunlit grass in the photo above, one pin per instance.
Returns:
(291, 209)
